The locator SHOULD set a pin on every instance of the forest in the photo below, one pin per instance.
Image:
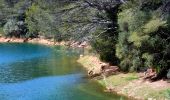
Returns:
(132, 34)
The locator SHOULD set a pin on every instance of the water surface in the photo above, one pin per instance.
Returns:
(38, 72)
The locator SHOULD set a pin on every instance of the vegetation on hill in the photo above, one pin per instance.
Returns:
(133, 34)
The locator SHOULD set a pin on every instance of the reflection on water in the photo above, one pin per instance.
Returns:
(27, 61)
(36, 72)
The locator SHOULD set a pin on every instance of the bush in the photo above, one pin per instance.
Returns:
(11, 28)
(128, 53)
(15, 28)
(153, 25)
(143, 40)
(106, 49)
(39, 21)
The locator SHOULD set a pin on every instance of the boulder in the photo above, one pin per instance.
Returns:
(8, 40)
(104, 66)
(108, 70)
(25, 40)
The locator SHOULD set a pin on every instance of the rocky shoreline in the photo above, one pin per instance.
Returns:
(43, 41)
(93, 65)
(131, 85)
(34, 40)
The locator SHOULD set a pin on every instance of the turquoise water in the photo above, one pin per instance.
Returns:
(37, 72)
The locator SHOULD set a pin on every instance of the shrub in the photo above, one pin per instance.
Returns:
(11, 28)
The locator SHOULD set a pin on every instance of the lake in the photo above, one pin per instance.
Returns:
(38, 72)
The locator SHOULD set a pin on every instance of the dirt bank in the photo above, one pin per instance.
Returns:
(131, 84)
(48, 42)
(34, 40)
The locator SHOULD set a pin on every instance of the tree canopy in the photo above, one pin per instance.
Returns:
(133, 34)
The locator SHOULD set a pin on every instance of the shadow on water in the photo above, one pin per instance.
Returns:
(36, 72)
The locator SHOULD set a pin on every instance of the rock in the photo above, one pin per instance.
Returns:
(84, 44)
(74, 44)
(109, 70)
(95, 75)
(114, 68)
(90, 72)
(25, 40)
(8, 40)
(108, 89)
(104, 66)
(150, 73)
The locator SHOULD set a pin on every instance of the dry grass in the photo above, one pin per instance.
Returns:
(90, 62)
(129, 84)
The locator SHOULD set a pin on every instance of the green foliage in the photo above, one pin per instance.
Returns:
(105, 49)
(11, 27)
(132, 16)
(15, 28)
(148, 59)
(153, 25)
(144, 40)
(134, 34)
(167, 93)
(40, 21)
(128, 53)
(32, 18)
(1, 30)
(137, 39)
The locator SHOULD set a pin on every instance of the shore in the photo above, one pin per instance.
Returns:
(131, 85)
(34, 40)
(43, 41)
